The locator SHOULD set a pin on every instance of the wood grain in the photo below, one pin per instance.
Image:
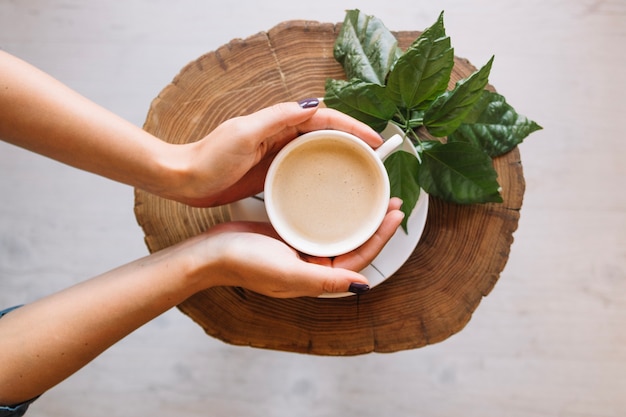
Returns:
(457, 262)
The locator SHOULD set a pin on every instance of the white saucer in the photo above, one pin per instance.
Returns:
(393, 255)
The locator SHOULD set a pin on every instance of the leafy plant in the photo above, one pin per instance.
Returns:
(456, 133)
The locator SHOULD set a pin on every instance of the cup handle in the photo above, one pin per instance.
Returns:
(389, 146)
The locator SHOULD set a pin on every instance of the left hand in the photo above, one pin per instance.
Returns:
(231, 162)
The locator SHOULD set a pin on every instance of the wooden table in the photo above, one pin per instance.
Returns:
(457, 262)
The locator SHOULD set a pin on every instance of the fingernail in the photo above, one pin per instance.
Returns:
(358, 288)
(308, 103)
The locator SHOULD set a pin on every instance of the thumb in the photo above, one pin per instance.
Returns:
(339, 280)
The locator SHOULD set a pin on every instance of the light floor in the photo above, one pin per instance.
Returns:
(550, 340)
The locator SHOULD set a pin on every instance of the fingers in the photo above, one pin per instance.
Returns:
(318, 280)
(359, 258)
(394, 204)
(273, 122)
(365, 254)
(299, 118)
(307, 275)
(326, 118)
(264, 264)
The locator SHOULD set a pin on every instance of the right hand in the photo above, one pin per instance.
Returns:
(252, 256)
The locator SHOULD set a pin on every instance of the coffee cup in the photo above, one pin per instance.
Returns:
(327, 191)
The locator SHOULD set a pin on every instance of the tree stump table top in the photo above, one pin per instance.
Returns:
(458, 260)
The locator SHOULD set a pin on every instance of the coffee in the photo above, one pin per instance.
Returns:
(327, 190)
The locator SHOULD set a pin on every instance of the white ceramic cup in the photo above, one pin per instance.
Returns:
(327, 191)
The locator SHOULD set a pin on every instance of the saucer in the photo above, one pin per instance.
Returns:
(393, 255)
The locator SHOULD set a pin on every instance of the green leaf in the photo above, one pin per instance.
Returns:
(364, 101)
(423, 71)
(403, 168)
(494, 126)
(450, 109)
(366, 48)
(459, 172)
(409, 89)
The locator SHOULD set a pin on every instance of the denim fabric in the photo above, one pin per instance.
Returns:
(14, 411)
(3, 312)
(19, 409)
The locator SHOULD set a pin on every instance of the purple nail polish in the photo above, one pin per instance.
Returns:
(358, 288)
(308, 103)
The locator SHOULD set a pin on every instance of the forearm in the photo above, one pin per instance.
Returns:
(41, 114)
(43, 343)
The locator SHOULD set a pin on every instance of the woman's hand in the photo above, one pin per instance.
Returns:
(252, 256)
(41, 114)
(47, 340)
(231, 162)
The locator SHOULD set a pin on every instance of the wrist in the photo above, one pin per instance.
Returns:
(198, 260)
(177, 173)
(165, 171)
